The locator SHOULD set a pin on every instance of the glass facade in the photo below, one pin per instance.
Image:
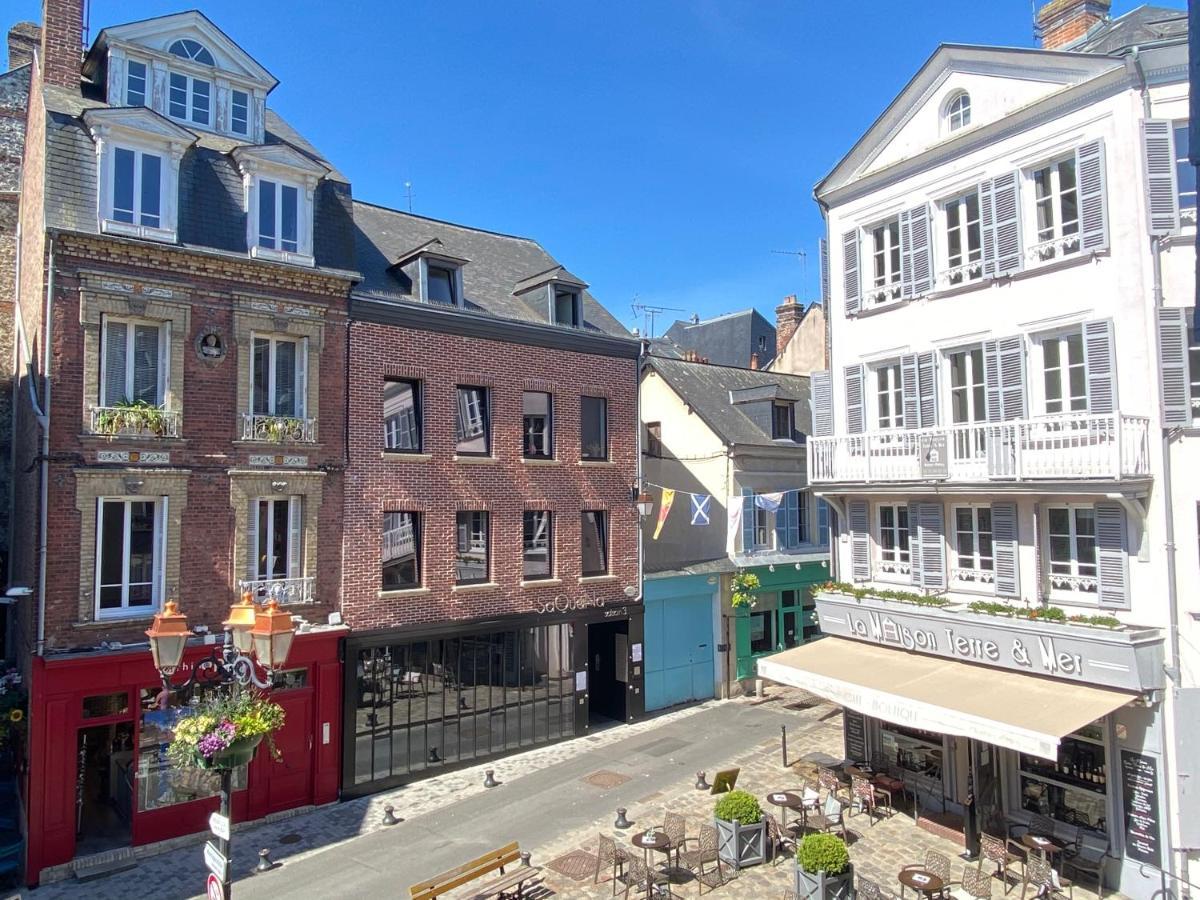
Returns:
(1074, 787)
(431, 702)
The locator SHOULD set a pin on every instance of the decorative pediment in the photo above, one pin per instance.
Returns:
(556, 274)
(431, 249)
(281, 159)
(137, 122)
(753, 394)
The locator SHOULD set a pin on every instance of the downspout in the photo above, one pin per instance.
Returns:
(837, 510)
(43, 513)
(1172, 670)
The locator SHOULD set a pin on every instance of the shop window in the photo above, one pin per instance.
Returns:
(289, 680)
(762, 631)
(913, 750)
(101, 706)
(1073, 788)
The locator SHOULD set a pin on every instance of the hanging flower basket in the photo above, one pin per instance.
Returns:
(224, 732)
(239, 753)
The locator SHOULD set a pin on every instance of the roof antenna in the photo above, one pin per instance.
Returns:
(649, 314)
(408, 190)
(803, 270)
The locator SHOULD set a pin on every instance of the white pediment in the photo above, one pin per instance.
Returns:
(136, 121)
(998, 80)
(278, 157)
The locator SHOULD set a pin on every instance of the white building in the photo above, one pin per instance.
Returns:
(1007, 422)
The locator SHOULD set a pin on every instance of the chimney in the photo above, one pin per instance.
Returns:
(23, 40)
(754, 360)
(788, 315)
(695, 318)
(62, 42)
(1062, 22)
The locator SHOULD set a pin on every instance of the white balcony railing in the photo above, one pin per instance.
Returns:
(1055, 248)
(1080, 445)
(134, 421)
(964, 274)
(285, 590)
(278, 429)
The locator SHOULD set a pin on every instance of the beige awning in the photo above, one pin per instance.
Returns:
(1009, 709)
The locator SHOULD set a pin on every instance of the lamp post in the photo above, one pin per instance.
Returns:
(255, 637)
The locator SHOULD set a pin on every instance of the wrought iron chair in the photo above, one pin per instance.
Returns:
(637, 875)
(1044, 880)
(609, 856)
(1003, 853)
(977, 884)
(869, 890)
(867, 796)
(778, 838)
(699, 858)
(675, 827)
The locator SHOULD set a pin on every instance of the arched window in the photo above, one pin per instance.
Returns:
(958, 111)
(186, 48)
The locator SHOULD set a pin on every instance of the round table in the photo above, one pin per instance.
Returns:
(793, 802)
(920, 880)
(652, 840)
(1048, 847)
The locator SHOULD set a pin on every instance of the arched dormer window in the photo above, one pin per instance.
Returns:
(958, 111)
(186, 48)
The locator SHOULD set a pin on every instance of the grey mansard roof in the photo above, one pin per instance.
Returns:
(727, 340)
(1140, 27)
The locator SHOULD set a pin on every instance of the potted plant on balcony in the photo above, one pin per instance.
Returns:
(741, 832)
(131, 417)
(279, 429)
(224, 732)
(823, 869)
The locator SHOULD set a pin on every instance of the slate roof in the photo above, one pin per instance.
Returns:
(706, 388)
(1139, 27)
(497, 264)
(727, 340)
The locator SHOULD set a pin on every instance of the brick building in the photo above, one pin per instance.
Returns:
(491, 535)
(185, 261)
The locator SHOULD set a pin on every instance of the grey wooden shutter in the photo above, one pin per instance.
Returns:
(747, 520)
(916, 266)
(850, 280)
(1000, 224)
(914, 543)
(1162, 191)
(1093, 212)
(908, 390)
(931, 536)
(1100, 366)
(1112, 560)
(1004, 377)
(860, 540)
(1174, 374)
(145, 363)
(927, 388)
(1004, 550)
(855, 413)
(821, 387)
(116, 348)
(823, 247)
(787, 521)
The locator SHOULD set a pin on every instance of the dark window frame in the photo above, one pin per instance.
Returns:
(525, 545)
(418, 415)
(576, 299)
(583, 424)
(548, 435)
(654, 444)
(418, 569)
(451, 283)
(487, 544)
(789, 410)
(600, 518)
(485, 407)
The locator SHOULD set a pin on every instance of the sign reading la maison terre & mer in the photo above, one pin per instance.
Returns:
(1126, 659)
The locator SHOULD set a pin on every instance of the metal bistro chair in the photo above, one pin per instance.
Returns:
(610, 856)
(866, 795)
(699, 858)
(675, 827)
(828, 779)
(1044, 880)
(977, 884)
(640, 876)
(831, 815)
(778, 838)
(869, 890)
(1003, 853)
(939, 865)
(1086, 858)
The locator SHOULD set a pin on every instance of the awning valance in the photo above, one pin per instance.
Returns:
(1023, 712)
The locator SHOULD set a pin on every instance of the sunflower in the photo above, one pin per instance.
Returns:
(16, 715)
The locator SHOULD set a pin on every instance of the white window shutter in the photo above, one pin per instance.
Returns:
(927, 388)
(860, 540)
(855, 411)
(914, 544)
(1162, 190)
(1174, 374)
(164, 365)
(930, 533)
(850, 279)
(908, 390)
(823, 247)
(1004, 377)
(302, 378)
(252, 572)
(1004, 549)
(1112, 559)
(295, 550)
(1100, 366)
(115, 338)
(1093, 212)
(916, 264)
(821, 387)
(1000, 224)
(160, 549)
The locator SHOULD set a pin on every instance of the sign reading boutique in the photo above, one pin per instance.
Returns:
(1115, 658)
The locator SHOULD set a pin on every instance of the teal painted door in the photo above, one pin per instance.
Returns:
(679, 650)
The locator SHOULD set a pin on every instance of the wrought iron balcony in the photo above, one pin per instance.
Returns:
(288, 591)
(134, 420)
(278, 429)
(1071, 446)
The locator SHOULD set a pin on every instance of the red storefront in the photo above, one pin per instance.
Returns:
(98, 779)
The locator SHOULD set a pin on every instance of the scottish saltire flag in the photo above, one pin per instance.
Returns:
(700, 504)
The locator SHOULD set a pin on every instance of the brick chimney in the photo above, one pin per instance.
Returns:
(62, 42)
(23, 40)
(787, 319)
(754, 360)
(1061, 22)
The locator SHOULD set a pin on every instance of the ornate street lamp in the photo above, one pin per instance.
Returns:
(272, 635)
(168, 638)
(645, 503)
(241, 620)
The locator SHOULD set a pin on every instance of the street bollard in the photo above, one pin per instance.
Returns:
(701, 784)
(489, 779)
(389, 816)
(525, 858)
(783, 728)
(621, 822)
(264, 861)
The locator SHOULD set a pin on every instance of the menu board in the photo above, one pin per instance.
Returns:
(854, 726)
(1139, 787)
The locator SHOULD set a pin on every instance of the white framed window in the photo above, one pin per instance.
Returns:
(281, 221)
(885, 257)
(889, 397)
(130, 556)
(1071, 551)
(1185, 175)
(1056, 209)
(1064, 377)
(568, 307)
(277, 376)
(763, 528)
(133, 361)
(1193, 338)
(277, 534)
(239, 112)
(133, 201)
(974, 562)
(194, 51)
(189, 99)
(135, 83)
(891, 540)
(968, 389)
(964, 244)
(958, 111)
(441, 282)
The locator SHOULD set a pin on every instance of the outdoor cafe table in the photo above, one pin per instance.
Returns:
(919, 880)
(651, 839)
(1044, 845)
(790, 801)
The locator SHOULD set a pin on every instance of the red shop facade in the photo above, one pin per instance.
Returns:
(98, 779)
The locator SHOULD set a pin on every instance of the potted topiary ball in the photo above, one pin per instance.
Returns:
(741, 832)
(823, 869)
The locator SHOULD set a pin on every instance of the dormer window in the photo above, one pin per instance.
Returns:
(190, 99)
(278, 216)
(239, 112)
(186, 48)
(135, 83)
(783, 421)
(567, 307)
(279, 183)
(137, 187)
(554, 293)
(958, 111)
(441, 284)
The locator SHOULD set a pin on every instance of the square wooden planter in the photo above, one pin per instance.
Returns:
(819, 886)
(741, 845)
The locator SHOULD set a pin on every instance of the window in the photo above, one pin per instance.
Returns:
(889, 393)
(782, 427)
(441, 285)
(402, 415)
(762, 632)
(278, 538)
(958, 111)
(471, 558)
(964, 247)
(885, 239)
(538, 544)
(278, 216)
(130, 362)
(186, 48)
(472, 428)
(893, 539)
(239, 112)
(538, 426)
(594, 542)
(1194, 361)
(1063, 374)
(762, 344)
(567, 307)
(822, 522)
(593, 426)
(1185, 174)
(189, 99)
(654, 444)
(276, 377)
(401, 551)
(973, 545)
(968, 391)
(135, 83)
(1074, 787)
(137, 188)
(1057, 204)
(1071, 532)
(762, 526)
(129, 556)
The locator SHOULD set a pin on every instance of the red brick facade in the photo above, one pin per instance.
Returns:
(439, 485)
(62, 41)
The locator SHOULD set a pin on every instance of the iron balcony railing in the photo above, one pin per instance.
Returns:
(279, 429)
(286, 590)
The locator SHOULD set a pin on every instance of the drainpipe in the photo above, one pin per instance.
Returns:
(43, 514)
(1172, 670)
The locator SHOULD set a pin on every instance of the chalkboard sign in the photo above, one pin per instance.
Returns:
(855, 728)
(1139, 788)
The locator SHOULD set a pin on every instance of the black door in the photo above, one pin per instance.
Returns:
(608, 670)
(635, 706)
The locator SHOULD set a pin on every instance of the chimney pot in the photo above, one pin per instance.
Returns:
(754, 360)
(23, 40)
(1060, 23)
(788, 316)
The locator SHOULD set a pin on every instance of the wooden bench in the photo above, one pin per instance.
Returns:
(490, 862)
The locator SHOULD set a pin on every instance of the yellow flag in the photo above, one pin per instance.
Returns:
(668, 498)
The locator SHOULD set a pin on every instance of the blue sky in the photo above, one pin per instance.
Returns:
(660, 149)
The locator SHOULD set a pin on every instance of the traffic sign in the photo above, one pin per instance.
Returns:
(214, 889)
(216, 861)
(219, 825)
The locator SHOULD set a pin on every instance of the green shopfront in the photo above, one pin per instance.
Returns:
(784, 613)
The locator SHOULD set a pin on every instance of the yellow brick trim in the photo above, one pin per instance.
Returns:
(245, 486)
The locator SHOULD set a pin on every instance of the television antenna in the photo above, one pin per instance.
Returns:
(409, 192)
(649, 314)
(803, 254)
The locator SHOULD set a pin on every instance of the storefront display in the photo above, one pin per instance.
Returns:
(1074, 788)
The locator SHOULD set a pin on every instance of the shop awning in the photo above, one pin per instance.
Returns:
(1009, 709)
